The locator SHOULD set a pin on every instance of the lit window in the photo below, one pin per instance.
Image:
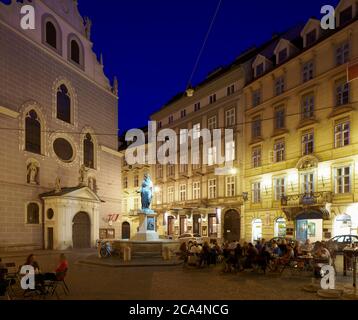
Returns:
(342, 54)
(342, 92)
(196, 131)
(307, 71)
(279, 151)
(343, 180)
(212, 189)
(230, 186)
(256, 157)
(342, 134)
(256, 192)
(307, 143)
(170, 194)
(196, 190)
(212, 156)
(212, 123)
(279, 85)
(230, 151)
(307, 183)
(280, 188)
(182, 192)
(230, 118)
(308, 103)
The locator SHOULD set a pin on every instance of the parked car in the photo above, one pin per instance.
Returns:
(190, 238)
(340, 242)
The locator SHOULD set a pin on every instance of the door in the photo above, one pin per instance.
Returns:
(81, 231)
(196, 223)
(301, 230)
(170, 226)
(49, 238)
(182, 224)
(232, 226)
(126, 231)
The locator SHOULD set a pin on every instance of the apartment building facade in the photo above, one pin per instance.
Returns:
(301, 133)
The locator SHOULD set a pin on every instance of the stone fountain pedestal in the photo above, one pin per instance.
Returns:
(147, 227)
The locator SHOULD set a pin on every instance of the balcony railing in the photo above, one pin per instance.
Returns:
(307, 199)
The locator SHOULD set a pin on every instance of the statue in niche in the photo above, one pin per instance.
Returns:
(32, 173)
(83, 180)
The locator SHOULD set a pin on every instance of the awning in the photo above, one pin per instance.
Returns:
(113, 217)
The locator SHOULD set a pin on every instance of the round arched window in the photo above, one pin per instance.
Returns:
(63, 149)
(50, 214)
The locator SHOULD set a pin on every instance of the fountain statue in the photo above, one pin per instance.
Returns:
(146, 193)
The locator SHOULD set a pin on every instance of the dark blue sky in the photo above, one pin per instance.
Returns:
(152, 45)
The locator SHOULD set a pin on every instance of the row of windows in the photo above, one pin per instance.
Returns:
(62, 147)
(53, 38)
(343, 183)
(230, 190)
(197, 106)
(342, 136)
(341, 56)
(342, 97)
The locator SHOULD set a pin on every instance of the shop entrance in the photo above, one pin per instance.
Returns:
(309, 225)
(232, 226)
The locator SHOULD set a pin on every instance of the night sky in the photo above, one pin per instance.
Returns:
(152, 45)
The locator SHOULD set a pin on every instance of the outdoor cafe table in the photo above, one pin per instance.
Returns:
(350, 253)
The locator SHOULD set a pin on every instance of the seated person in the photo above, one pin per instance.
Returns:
(252, 254)
(307, 247)
(276, 251)
(289, 254)
(297, 249)
(60, 271)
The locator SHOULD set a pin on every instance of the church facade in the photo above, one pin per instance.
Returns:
(60, 171)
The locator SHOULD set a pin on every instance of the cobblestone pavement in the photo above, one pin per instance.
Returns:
(174, 282)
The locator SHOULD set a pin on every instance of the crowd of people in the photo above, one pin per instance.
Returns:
(238, 256)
